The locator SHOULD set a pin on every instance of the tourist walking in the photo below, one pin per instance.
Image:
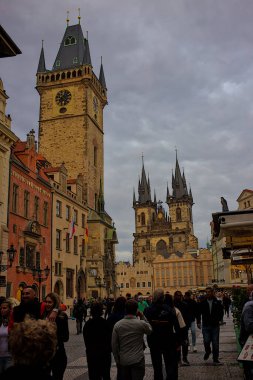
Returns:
(181, 305)
(5, 355)
(165, 337)
(246, 328)
(97, 339)
(59, 362)
(211, 312)
(191, 317)
(80, 314)
(127, 342)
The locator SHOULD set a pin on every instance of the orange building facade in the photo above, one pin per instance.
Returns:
(29, 219)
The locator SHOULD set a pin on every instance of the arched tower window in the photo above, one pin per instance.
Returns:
(161, 248)
(178, 214)
(70, 40)
(143, 222)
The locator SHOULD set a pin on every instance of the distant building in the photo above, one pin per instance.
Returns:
(164, 245)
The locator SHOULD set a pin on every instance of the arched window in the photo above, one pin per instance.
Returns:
(178, 214)
(70, 40)
(22, 257)
(161, 248)
(143, 222)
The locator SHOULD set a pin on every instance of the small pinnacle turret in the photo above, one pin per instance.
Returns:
(102, 76)
(42, 64)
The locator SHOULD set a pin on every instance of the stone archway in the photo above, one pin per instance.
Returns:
(58, 289)
(81, 284)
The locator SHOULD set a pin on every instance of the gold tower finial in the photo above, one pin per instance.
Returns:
(79, 17)
(67, 18)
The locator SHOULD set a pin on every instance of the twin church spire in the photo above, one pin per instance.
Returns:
(179, 188)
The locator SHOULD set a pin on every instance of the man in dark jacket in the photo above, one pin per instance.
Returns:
(165, 336)
(80, 314)
(211, 311)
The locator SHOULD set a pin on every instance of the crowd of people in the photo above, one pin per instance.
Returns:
(118, 327)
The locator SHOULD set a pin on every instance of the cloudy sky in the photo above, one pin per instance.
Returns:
(179, 74)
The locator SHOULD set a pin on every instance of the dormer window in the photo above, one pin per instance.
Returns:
(75, 60)
(70, 40)
(58, 63)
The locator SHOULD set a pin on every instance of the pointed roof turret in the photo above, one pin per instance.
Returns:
(102, 76)
(178, 183)
(86, 57)
(144, 187)
(134, 199)
(72, 49)
(42, 64)
(101, 202)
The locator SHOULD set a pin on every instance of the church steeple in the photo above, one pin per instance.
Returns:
(144, 187)
(179, 186)
(42, 65)
(86, 57)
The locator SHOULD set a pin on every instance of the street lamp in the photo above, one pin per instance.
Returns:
(11, 254)
(38, 275)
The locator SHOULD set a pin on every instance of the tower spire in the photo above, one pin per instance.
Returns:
(41, 65)
(102, 76)
(67, 19)
(79, 17)
(144, 186)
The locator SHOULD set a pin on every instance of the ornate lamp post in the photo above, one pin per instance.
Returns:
(38, 276)
(11, 254)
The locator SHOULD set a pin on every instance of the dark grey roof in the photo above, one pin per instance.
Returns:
(8, 48)
(102, 77)
(144, 188)
(86, 57)
(42, 64)
(73, 49)
(178, 183)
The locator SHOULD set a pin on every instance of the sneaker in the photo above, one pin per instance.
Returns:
(206, 356)
(217, 362)
(194, 349)
(185, 362)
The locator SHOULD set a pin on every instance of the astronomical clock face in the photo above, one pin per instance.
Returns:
(63, 97)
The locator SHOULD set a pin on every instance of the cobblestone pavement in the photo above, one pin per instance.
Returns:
(198, 369)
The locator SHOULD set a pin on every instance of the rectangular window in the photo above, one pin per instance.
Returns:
(37, 260)
(75, 216)
(95, 155)
(26, 203)
(15, 198)
(138, 284)
(75, 245)
(45, 214)
(149, 284)
(69, 282)
(127, 285)
(58, 239)
(83, 247)
(30, 256)
(67, 242)
(67, 213)
(122, 285)
(83, 220)
(36, 208)
(143, 284)
(58, 208)
(58, 268)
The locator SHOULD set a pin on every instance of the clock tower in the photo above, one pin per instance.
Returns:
(72, 100)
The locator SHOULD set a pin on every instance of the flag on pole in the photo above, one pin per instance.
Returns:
(86, 235)
(72, 229)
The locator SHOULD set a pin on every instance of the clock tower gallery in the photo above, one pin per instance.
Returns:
(72, 99)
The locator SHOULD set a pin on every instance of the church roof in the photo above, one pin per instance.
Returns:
(74, 49)
(42, 64)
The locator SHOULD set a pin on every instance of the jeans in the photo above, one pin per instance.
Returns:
(169, 355)
(135, 371)
(193, 332)
(211, 335)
